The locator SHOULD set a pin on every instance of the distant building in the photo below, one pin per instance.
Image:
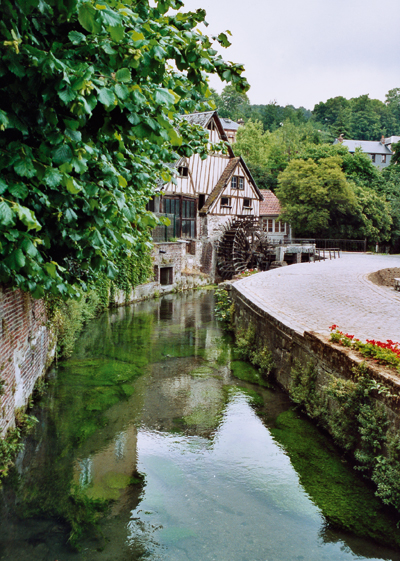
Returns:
(230, 128)
(270, 210)
(391, 140)
(378, 151)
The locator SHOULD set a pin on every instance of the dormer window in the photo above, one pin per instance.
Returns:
(183, 171)
(237, 182)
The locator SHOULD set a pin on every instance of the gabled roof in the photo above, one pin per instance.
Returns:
(368, 146)
(203, 120)
(224, 180)
(270, 206)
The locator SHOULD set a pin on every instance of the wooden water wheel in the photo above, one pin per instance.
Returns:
(244, 245)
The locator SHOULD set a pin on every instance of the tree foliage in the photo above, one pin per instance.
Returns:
(90, 95)
(319, 201)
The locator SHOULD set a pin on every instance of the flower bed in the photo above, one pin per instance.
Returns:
(384, 353)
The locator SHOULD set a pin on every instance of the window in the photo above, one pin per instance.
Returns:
(270, 225)
(373, 158)
(225, 201)
(185, 215)
(246, 203)
(237, 182)
(277, 226)
(383, 158)
(283, 227)
(183, 171)
(188, 218)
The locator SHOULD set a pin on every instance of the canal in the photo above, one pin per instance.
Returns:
(149, 448)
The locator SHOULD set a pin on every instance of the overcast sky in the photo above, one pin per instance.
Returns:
(303, 52)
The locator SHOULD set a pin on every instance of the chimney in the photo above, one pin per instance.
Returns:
(340, 139)
(240, 122)
(383, 140)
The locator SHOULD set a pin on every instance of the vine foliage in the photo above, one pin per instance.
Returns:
(90, 98)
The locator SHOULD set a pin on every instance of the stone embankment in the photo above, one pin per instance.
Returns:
(290, 310)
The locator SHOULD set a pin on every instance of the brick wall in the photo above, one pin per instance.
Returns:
(24, 348)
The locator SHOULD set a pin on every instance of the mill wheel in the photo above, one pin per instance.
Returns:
(244, 245)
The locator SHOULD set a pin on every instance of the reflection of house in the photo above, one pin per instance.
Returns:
(107, 472)
(270, 210)
(378, 151)
(206, 195)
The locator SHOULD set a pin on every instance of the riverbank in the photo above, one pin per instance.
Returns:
(154, 441)
(287, 313)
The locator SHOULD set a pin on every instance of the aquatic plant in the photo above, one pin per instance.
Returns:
(346, 502)
(248, 348)
(224, 308)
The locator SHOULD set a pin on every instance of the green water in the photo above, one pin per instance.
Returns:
(149, 448)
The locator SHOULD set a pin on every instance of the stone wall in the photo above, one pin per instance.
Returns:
(24, 350)
(176, 268)
(290, 347)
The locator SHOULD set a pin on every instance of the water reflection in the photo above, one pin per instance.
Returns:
(147, 417)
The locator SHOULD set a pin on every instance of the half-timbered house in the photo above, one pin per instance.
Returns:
(208, 193)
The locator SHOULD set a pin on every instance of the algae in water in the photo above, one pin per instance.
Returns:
(344, 499)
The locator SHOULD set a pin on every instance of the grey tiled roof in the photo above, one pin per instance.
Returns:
(368, 146)
(229, 125)
(201, 119)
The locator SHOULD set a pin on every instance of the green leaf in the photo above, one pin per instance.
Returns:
(18, 190)
(110, 17)
(51, 269)
(25, 168)
(122, 91)
(67, 95)
(29, 248)
(70, 215)
(136, 36)
(62, 155)
(27, 217)
(122, 181)
(117, 33)
(76, 38)
(19, 259)
(163, 97)
(106, 97)
(52, 177)
(176, 139)
(6, 214)
(123, 75)
(71, 185)
(3, 186)
(87, 18)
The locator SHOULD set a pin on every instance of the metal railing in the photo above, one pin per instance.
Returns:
(338, 244)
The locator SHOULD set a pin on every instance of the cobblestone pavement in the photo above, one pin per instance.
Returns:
(313, 296)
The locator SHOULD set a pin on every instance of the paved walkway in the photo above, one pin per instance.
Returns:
(313, 296)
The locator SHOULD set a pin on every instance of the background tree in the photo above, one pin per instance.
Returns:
(232, 103)
(315, 196)
(89, 117)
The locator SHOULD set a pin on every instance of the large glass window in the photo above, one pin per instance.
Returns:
(185, 213)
